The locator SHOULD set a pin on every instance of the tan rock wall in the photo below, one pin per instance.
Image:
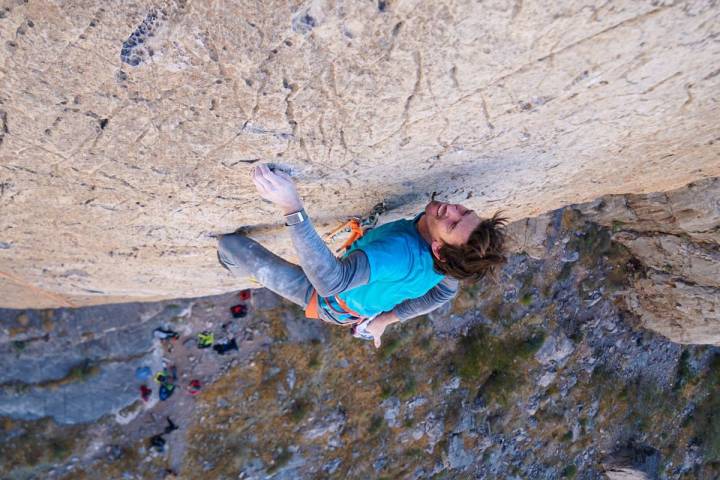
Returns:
(119, 161)
(676, 237)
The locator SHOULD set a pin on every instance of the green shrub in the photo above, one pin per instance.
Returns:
(494, 361)
(299, 409)
(684, 372)
(376, 422)
(389, 347)
(569, 471)
(526, 299)
(705, 418)
(281, 459)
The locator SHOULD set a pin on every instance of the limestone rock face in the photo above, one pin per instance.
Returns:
(127, 132)
(676, 237)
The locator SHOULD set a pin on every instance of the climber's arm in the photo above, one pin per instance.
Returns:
(326, 273)
(440, 294)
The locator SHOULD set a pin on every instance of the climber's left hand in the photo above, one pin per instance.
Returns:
(278, 188)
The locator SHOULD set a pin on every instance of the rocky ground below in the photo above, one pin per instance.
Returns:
(548, 373)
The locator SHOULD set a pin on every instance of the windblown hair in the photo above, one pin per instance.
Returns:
(480, 256)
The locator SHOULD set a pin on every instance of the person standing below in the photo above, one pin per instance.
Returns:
(394, 272)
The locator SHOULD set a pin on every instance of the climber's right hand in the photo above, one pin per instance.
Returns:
(278, 188)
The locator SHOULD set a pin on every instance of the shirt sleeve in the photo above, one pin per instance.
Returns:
(328, 274)
(440, 294)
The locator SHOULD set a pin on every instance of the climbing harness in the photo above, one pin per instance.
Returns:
(356, 227)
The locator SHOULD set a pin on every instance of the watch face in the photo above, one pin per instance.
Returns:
(294, 218)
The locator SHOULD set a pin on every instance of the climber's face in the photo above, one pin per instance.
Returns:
(449, 223)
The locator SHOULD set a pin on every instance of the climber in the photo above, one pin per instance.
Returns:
(392, 273)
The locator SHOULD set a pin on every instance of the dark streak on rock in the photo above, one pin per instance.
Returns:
(103, 123)
(303, 23)
(243, 160)
(4, 130)
(132, 52)
(712, 74)
(382, 5)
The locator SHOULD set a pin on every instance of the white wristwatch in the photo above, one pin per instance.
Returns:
(295, 218)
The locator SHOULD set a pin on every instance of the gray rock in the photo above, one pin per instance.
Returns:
(466, 422)
(452, 385)
(290, 379)
(392, 411)
(289, 471)
(570, 257)
(594, 407)
(434, 429)
(457, 456)
(332, 466)
(380, 463)
(415, 403)
(264, 299)
(555, 349)
(546, 379)
(253, 470)
(419, 473)
(301, 329)
(108, 390)
(330, 424)
(533, 405)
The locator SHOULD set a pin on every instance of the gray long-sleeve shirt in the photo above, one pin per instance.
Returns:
(330, 275)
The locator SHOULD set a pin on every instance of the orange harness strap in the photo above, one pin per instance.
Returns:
(312, 310)
(345, 307)
(356, 232)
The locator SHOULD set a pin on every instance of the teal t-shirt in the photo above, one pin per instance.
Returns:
(401, 268)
